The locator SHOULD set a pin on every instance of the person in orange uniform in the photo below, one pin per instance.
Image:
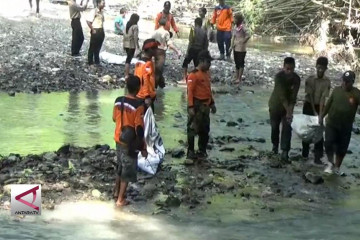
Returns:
(223, 18)
(145, 70)
(170, 21)
(200, 101)
(128, 115)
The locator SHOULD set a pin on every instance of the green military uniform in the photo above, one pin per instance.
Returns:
(285, 91)
(341, 108)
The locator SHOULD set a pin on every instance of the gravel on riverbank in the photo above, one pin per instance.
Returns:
(35, 58)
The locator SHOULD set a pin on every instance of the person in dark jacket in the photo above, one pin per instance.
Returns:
(281, 106)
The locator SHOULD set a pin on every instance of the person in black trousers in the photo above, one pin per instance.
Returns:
(317, 89)
(37, 6)
(77, 32)
(96, 23)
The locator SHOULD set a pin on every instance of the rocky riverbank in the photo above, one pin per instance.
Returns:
(74, 173)
(35, 58)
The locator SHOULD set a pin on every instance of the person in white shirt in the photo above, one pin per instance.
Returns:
(96, 25)
(77, 32)
(163, 37)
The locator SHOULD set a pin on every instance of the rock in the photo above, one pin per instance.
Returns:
(66, 184)
(178, 153)
(11, 93)
(11, 181)
(3, 178)
(275, 164)
(66, 172)
(13, 158)
(172, 201)
(259, 140)
(149, 190)
(235, 166)
(107, 79)
(44, 168)
(231, 124)
(206, 182)
(239, 120)
(189, 162)
(56, 169)
(227, 149)
(7, 189)
(312, 178)
(64, 150)
(178, 115)
(50, 156)
(271, 209)
(356, 175)
(222, 120)
(267, 193)
(85, 161)
(161, 210)
(96, 193)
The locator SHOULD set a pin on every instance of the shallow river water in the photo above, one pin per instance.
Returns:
(38, 123)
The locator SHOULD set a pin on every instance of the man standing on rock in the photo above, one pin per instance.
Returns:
(77, 32)
(200, 102)
(341, 109)
(128, 115)
(223, 18)
(169, 19)
(37, 7)
(281, 106)
(317, 89)
(96, 25)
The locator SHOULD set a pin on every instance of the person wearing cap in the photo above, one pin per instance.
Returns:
(128, 114)
(96, 24)
(200, 102)
(281, 106)
(317, 89)
(223, 18)
(340, 110)
(144, 69)
(168, 17)
(77, 32)
(162, 36)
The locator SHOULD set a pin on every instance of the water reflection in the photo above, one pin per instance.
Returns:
(93, 116)
(72, 118)
(159, 105)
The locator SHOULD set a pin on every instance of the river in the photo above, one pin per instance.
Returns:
(36, 123)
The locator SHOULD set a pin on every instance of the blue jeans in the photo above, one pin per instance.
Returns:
(224, 37)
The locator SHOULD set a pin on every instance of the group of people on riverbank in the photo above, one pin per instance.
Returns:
(232, 36)
(340, 110)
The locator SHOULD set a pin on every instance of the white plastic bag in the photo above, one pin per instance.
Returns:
(115, 59)
(154, 145)
(307, 128)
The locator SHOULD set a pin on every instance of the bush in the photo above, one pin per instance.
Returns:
(252, 11)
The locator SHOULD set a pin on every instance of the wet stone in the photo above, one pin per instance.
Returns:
(178, 153)
(96, 193)
(312, 178)
(189, 162)
(227, 149)
(50, 156)
(231, 124)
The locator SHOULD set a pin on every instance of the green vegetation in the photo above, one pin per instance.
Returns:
(253, 12)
